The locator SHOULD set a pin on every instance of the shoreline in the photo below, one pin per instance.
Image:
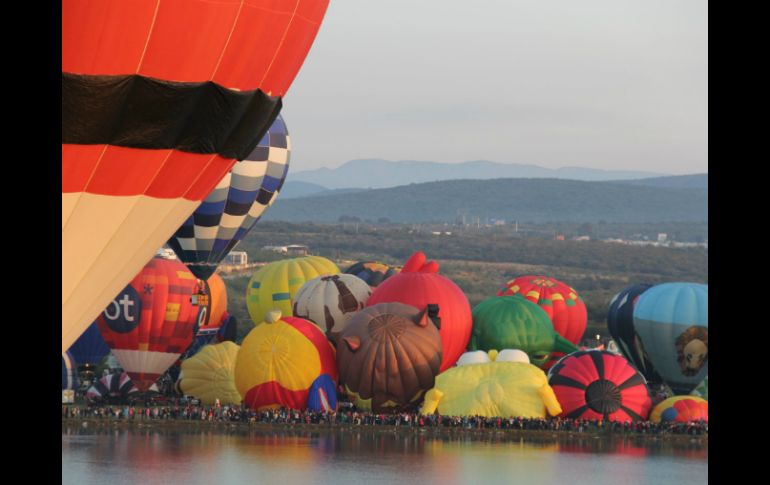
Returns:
(700, 441)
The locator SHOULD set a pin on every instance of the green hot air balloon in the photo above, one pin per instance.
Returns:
(513, 322)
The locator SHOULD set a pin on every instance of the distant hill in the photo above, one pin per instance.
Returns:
(292, 189)
(376, 173)
(525, 200)
(695, 181)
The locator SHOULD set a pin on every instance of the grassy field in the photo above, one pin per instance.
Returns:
(481, 262)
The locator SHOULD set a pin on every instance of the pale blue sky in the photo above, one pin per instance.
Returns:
(611, 84)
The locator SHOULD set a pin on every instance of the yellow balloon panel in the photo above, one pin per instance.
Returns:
(505, 389)
(276, 285)
(210, 374)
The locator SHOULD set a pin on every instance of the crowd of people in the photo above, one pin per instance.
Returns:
(234, 414)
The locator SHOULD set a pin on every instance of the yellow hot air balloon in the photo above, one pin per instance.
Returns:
(210, 374)
(276, 285)
(495, 388)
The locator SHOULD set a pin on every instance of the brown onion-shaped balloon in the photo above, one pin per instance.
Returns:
(388, 356)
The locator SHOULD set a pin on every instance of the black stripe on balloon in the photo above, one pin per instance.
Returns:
(598, 358)
(632, 381)
(206, 220)
(101, 388)
(263, 197)
(236, 209)
(576, 413)
(633, 415)
(560, 380)
(140, 112)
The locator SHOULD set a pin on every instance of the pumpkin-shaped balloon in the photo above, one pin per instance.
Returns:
(492, 389)
(511, 322)
(69, 372)
(235, 205)
(681, 409)
(388, 357)
(159, 99)
(330, 301)
(671, 320)
(419, 285)
(561, 302)
(210, 374)
(597, 384)
(275, 285)
(149, 325)
(372, 272)
(620, 323)
(283, 360)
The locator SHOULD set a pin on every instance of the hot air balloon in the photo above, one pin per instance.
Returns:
(388, 357)
(235, 205)
(513, 322)
(501, 388)
(210, 316)
(671, 320)
(90, 348)
(69, 371)
(149, 325)
(681, 409)
(154, 114)
(330, 301)
(112, 387)
(419, 285)
(597, 384)
(284, 360)
(372, 272)
(562, 303)
(229, 329)
(620, 323)
(209, 375)
(276, 285)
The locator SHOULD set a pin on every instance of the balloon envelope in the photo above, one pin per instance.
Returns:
(419, 285)
(597, 384)
(671, 320)
(274, 286)
(69, 372)
(235, 205)
(210, 374)
(149, 325)
(154, 114)
(90, 348)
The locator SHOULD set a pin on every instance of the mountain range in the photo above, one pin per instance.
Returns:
(658, 199)
(377, 173)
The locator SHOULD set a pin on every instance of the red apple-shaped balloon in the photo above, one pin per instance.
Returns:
(419, 285)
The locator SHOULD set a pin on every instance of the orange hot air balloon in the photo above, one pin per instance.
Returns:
(150, 324)
(159, 99)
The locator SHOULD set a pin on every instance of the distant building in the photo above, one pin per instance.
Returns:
(297, 250)
(662, 237)
(237, 258)
(559, 237)
(165, 253)
(277, 249)
(581, 238)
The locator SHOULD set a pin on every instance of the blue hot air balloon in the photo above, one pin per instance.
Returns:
(235, 205)
(671, 321)
(90, 348)
(620, 323)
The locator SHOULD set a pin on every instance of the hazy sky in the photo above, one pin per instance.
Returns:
(611, 84)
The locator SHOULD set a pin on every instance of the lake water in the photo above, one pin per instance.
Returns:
(168, 456)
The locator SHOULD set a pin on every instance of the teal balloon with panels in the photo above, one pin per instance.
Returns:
(671, 321)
